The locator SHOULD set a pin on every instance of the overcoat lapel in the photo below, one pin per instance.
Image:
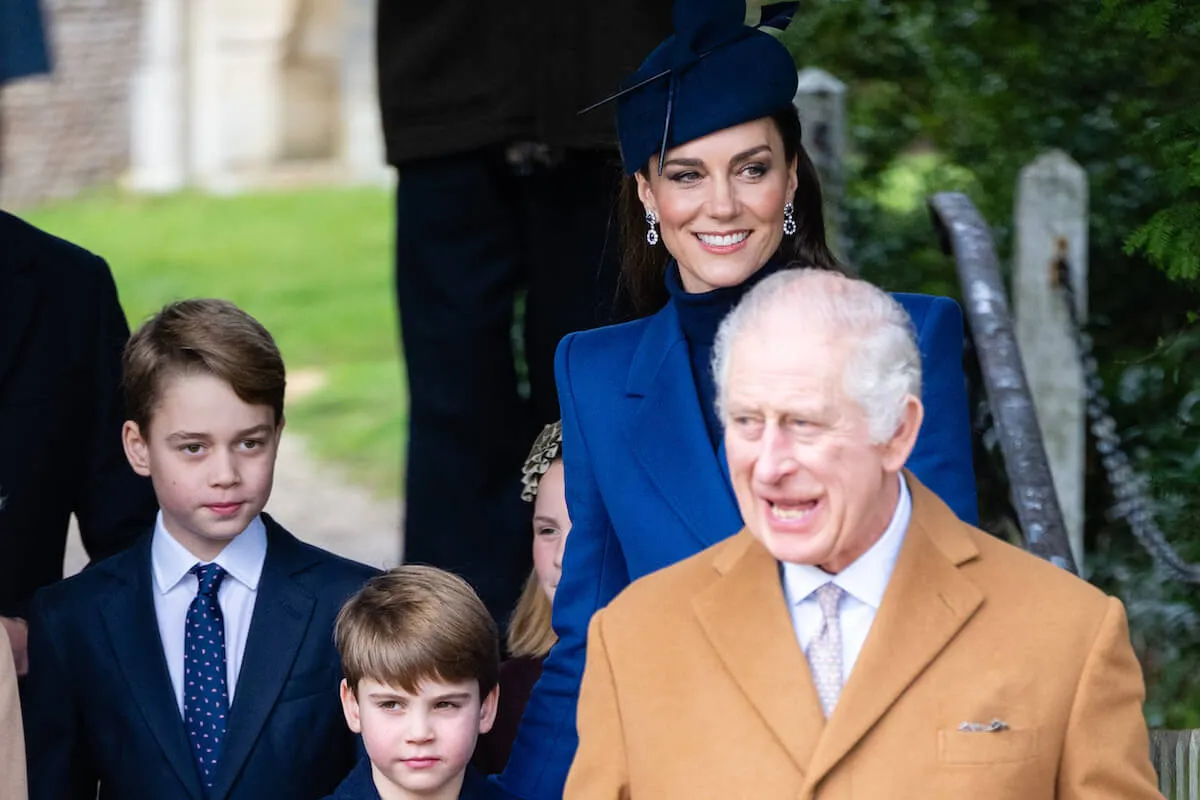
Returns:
(745, 617)
(19, 299)
(668, 437)
(132, 628)
(281, 617)
(926, 603)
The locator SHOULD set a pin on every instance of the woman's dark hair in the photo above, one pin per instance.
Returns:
(643, 267)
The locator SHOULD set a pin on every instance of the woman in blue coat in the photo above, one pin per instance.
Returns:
(728, 196)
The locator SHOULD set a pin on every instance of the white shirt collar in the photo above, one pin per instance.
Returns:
(242, 558)
(867, 577)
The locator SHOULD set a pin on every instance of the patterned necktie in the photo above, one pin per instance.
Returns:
(205, 696)
(825, 651)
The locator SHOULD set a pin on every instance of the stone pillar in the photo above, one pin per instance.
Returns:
(158, 135)
(1051, 221)
(237, 86)
(821, 101)
(362, 132)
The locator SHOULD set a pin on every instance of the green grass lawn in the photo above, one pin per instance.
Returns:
(314, 266)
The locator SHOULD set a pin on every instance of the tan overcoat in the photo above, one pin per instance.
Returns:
(12, 740)
(696, 687)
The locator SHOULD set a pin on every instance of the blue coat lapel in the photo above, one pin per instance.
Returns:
(282, 612)
(668, 437)
(132, 628)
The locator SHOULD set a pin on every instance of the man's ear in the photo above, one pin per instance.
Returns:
(487, 709)
(897, 449)
(350, 707)
(137, 450)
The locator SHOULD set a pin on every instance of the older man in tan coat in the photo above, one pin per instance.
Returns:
(857, 640)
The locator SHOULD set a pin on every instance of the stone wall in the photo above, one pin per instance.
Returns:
(70, 130)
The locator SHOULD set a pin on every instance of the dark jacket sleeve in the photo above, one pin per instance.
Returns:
(942, 457)
(115, 505)
(55, 755)
(594, 572)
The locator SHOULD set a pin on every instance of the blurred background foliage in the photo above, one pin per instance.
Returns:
(959, 95)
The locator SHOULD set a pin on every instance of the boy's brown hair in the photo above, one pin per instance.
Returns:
(415, 623)
(202, 336)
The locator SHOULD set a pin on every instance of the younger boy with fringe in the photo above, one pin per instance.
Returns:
(199, 663)
(421, 659)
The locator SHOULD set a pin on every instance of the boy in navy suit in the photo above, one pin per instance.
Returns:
(199, 663)
(421, 658)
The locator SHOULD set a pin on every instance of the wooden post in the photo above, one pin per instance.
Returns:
(1051, 223)
(821, 101)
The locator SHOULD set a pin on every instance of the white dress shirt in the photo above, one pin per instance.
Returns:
(863, 582)
(175, 588)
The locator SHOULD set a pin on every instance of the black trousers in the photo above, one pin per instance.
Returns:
(472, 232)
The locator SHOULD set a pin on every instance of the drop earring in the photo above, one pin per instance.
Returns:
(789, 219)
(651, 233)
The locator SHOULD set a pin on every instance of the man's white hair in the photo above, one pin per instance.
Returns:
(883, 365)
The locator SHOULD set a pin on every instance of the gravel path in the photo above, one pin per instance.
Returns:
(318, 504)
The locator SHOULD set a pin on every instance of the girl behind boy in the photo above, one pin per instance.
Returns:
(530, 635)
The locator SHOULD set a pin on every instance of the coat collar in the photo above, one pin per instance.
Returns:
(668, 437)
(926, 603)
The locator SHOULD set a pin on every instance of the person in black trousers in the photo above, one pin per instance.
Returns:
(504, 190)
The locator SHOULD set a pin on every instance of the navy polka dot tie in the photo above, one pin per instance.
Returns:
(205, 696)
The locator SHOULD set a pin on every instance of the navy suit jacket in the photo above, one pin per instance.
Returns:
(359, 785)
(61, 336)
(101, 708)
(645, 490)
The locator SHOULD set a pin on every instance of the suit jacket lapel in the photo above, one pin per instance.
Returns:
(926, 603)
(19, 298)
(132, 627)
(668, 436)
(282, 611)
(745, 617)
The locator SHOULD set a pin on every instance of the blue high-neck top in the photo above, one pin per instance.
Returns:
(700, 315)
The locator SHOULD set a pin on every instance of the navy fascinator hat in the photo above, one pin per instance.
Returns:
(713, 73)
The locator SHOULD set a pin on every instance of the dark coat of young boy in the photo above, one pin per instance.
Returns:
(118, 652)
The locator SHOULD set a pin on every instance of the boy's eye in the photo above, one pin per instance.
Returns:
(548, 532)
(389, 705)
(192, 449)
(252, 444)
(447, 704)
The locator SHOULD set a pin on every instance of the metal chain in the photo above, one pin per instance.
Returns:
(1127, 484)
